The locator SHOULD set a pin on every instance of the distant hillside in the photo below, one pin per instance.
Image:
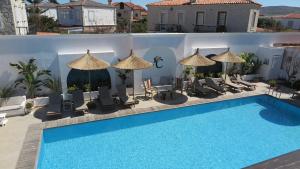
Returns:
(278, 10)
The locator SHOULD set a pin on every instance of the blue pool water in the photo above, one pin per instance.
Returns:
(227, 134)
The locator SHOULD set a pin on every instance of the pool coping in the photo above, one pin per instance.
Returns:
(29, 153)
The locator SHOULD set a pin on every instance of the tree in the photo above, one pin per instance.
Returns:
(31, 78)
(269, 23)
(37, 22)
(140, 26)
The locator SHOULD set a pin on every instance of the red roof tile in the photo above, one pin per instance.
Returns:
(130, 5)
(200, 2)
(292, 16)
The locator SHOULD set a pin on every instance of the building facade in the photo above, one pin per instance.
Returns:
(203, 16)
(13, 17)
(87, 15)
(130, 11)
(290, 21)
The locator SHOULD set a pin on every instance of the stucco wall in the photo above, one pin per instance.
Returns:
(70, 16)
(296, 23)
(101, 17)
(237, 16)
(51, 13)
(49, 50)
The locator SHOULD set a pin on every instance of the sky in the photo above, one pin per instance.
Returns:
(263, 2)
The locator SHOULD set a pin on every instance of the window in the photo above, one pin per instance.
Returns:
(121, 5)
(253, 19)
(180, 18)
(222, 16)
(290, 24)
(91, 16)
(119, 14)
(71, 15)
(136, 15)
(163, 18)
(200, 18)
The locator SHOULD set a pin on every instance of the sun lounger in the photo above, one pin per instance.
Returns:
(296, 93)
(214, 85)
(3, 119)
(125, 99)
(105, 98)
(245, 83)
(79, 104)
(229, 83)
(55, 105)
(199, 89)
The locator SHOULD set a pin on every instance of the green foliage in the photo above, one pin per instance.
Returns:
(269, 23)
(187, 71)
(87, 87)
(72, 88)
(31, 78)
(272, 83)
(251, 64)
(5, 93)
(39, 23)
(28, 105)
(139, 27)
(198, 75)
(123, 75)
(296, 85)
(55, 85)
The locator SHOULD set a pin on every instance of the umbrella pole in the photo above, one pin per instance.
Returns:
(90, 85)
(133, 83)
(225, 70)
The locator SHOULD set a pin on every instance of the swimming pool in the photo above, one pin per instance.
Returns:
(228, 134)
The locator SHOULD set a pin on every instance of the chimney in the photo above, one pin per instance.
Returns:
(109, 2)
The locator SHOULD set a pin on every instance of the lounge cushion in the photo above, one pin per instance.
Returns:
(14, 107)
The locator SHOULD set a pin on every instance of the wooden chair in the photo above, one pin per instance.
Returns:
(148, 88)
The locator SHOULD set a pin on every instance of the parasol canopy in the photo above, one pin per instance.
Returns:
(133, 62)
(228, 57)
(197, 60)
(88, 62)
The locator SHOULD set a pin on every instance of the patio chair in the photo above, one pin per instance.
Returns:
(125, 99)
(55, 105)
(214, 85)
(232, 85)
(105, 98)
(149, 90)
(179, 85)
(79, 103)
(3, 119)
(245, 83)
(199, 89)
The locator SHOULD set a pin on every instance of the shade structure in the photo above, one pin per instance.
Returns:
(197, 60)
(88, 62)
(228, 57)
(133, 62)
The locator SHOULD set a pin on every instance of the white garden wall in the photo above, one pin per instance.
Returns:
(53, 52)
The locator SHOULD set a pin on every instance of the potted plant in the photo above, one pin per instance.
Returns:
(250, 67)
(28, 107)
(72, 89)
(5, 94)
(123, 75)
(187, 71)
(272, 83)
(32, 79)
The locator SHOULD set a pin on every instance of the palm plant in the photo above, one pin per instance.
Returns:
(31, 78)
(54, 85)
(5, 93)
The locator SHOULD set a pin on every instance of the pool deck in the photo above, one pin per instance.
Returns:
(16, 142)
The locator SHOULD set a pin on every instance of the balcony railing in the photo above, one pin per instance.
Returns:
(168, 28)
(205, 28)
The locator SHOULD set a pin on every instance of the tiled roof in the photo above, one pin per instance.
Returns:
(45, 5)
(292, 16)
(200, 2)
(87, 3)
(130, 5)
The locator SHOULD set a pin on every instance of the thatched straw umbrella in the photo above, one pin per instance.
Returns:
(88, 62)
(133, 62)
(197, 60)
(228, 57)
